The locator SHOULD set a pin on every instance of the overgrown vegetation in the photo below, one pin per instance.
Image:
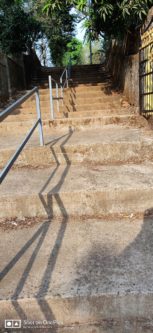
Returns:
(58, 27)
(18, 29)
(23, 22)
(112, 17)
(73, 54)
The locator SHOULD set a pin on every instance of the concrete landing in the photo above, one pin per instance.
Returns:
(79, 272)
(71, 191)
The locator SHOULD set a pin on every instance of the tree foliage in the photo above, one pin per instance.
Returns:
(58, 26)
(117, 18)
(73, 54)
(19, 29)
(107, 16)
(61, 34)
(22, 22)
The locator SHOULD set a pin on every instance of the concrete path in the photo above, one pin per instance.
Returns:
(73, 271)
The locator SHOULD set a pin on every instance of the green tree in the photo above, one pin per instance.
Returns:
(120, 19)
(107, 16)
(73, 53)
(59, 27)
(19, 29)
(60, 35)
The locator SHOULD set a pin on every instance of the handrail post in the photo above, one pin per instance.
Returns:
(61, 84)
(51, 97)
(57, 97)
(41, 138)
(67, 83)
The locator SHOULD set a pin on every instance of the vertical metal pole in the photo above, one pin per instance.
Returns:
(61, 84)
(67, 82)
(40, 128)
(51, 97)
(57, 97)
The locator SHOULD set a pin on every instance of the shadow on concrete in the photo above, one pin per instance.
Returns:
(108, 89)
(104, 270)
(40, 235)
(48, 205)
(99, 271)
(53, 193)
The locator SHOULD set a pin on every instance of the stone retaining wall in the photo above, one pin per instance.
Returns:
(4, 92)
(125, 72)
(12, 77)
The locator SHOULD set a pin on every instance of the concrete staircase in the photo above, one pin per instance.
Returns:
(76, 217)
(79, 74)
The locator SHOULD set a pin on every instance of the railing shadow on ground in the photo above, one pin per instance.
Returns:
(48, 205)
(70, 103)
(99, 256)
(105, 269)
(108, 90)
(40, 235)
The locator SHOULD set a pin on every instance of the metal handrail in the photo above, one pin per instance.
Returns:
(53, 98)
(64, 72)
(38, 123)
(66, 82)
(62, 86)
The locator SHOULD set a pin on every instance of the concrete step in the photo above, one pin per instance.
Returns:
(74, 80)
(103, 89)
(69, 111)
(88, 81)
(43, 84)
(94, 113)
(94, 98)
(74, 106)
(43, 97)
(83, 123)
(75, 99)
(113, 145)
(67, 190)
(87, 92)
(22, 115)
(96, 122)
(70, 107)
(69, 274)
(92, 106)
(84, 88)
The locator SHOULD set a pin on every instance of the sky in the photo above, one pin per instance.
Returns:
(80, 31)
